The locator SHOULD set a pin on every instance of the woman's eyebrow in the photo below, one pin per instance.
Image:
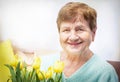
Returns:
(65, 26)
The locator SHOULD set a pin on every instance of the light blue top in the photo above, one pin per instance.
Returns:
(49, 60)
(94, 70)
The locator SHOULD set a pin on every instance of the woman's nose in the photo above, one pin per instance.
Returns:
(73, 36)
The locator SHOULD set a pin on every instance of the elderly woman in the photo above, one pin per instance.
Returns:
(77, 28)
(77, 24)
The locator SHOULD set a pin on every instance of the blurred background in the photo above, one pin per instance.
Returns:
(31, 25)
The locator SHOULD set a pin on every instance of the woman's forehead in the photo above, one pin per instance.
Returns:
(75, 25)
(77, 22)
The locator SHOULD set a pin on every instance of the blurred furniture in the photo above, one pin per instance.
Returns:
(6, 56)
(116, 65)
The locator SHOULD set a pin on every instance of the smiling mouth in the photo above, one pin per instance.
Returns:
(74, 43)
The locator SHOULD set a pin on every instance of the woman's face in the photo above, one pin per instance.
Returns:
(75, 37)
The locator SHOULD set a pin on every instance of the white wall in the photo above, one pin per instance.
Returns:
(31, 25)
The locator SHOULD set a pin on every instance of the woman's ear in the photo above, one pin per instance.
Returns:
(94, 33)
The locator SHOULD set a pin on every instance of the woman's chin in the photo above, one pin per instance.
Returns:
(74, 52)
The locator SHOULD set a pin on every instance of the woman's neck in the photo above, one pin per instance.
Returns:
(74, 62)
(76, 58)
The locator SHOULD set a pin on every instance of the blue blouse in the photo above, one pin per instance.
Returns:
(94, 70)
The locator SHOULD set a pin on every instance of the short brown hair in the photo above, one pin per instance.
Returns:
(73, 9)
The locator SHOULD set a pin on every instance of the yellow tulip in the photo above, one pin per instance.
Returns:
(49, 72)
(41, 75)
(37, 71)
(58, 67)
(15, 62)
(21, 62)
(36, 63)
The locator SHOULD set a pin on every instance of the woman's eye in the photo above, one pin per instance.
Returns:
(80, 29)
(66, 30)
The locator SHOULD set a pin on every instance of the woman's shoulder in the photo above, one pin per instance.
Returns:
(99, 61)
(105, 69)
(102, 64)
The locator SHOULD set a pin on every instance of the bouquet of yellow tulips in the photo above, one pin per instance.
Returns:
(20, 72)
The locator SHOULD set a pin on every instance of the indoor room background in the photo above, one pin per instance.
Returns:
(31, 25)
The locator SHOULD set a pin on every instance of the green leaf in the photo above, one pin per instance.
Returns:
(24, 74)
(50, 80)
(12, 72)
(27, 76)
(33, 75)
(18, 73)
(37, 79)
(60, 77)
